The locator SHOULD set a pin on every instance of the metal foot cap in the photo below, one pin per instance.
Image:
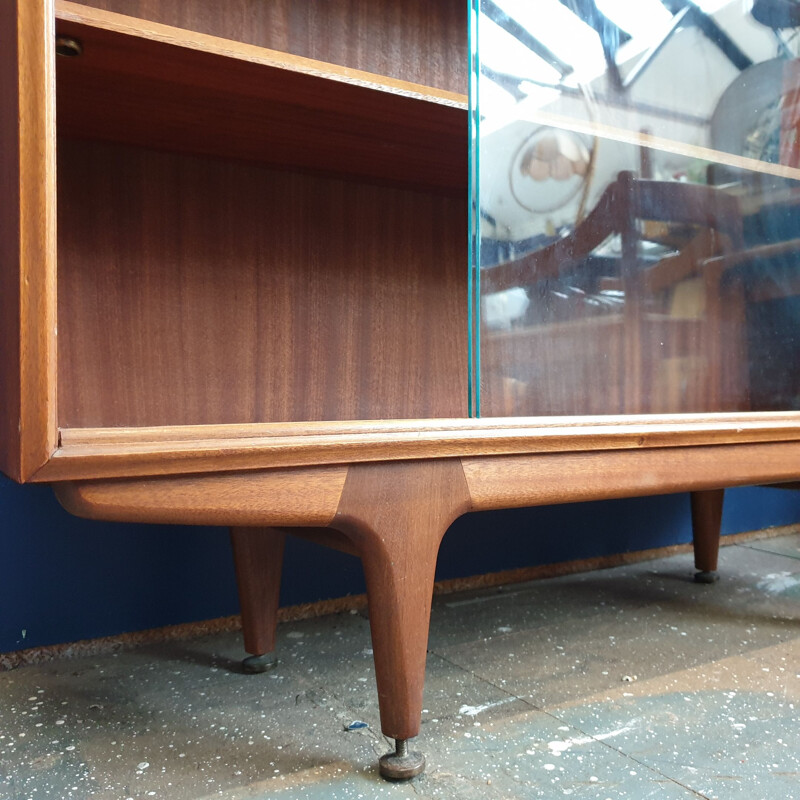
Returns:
(398, 767)
(255, 664)
(706, 577)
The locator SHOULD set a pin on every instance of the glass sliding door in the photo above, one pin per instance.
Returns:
(635, 207)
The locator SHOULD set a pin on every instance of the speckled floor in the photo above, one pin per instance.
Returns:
(631, 682)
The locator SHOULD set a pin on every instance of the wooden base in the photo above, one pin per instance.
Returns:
(393, 514)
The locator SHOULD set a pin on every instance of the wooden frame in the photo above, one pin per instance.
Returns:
(388, 488)
(28, 434)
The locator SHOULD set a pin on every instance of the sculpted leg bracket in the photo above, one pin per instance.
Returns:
(396, 514)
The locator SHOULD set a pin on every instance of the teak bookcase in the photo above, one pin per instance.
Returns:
(233, 291)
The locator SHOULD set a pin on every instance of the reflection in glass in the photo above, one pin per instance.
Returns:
(637, 196)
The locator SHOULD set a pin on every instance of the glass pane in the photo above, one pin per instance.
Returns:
(636, 180)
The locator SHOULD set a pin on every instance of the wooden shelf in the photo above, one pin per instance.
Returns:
(156, 86)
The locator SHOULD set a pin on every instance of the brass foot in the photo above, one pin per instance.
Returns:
(706, 577)
(403, 763)
(256, 664)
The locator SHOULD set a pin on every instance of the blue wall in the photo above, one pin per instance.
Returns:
(64, 579)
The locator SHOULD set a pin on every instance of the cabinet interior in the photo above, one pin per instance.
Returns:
(242, 240)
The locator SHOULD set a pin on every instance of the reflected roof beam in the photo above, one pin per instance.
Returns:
(513, 85)
(715, 34)
(712, 31)
(510, 83)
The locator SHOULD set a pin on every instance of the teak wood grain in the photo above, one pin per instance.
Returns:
(168, 88)
(258, 559)
(200, 291)
(519, 481)
(28, 433)
(254, 499)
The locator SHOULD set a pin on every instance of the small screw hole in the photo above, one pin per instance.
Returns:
(67, 46)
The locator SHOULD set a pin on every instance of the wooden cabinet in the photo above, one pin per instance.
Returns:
(235, 291)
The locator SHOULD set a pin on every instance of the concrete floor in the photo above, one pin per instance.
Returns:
(630, 682)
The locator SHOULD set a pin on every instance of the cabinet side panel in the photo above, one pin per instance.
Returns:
(200, 291)
(9, 244)
(421, 41)
(27, 237)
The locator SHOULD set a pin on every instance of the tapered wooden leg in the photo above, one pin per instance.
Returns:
(258, 557)
(706, 525)
(397, 514)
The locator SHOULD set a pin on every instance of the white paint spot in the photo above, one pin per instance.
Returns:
(142, 765)
(294, 635)
(777, 582)
(472, 711)
(557, 748)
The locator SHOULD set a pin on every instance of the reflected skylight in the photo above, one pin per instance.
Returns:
(561, 31)
(644, 20)
(503, 53)
(710, 6)
(527, 77)
(496, 102)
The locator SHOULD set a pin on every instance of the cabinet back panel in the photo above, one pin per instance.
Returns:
(198, 291)
(422, 41)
